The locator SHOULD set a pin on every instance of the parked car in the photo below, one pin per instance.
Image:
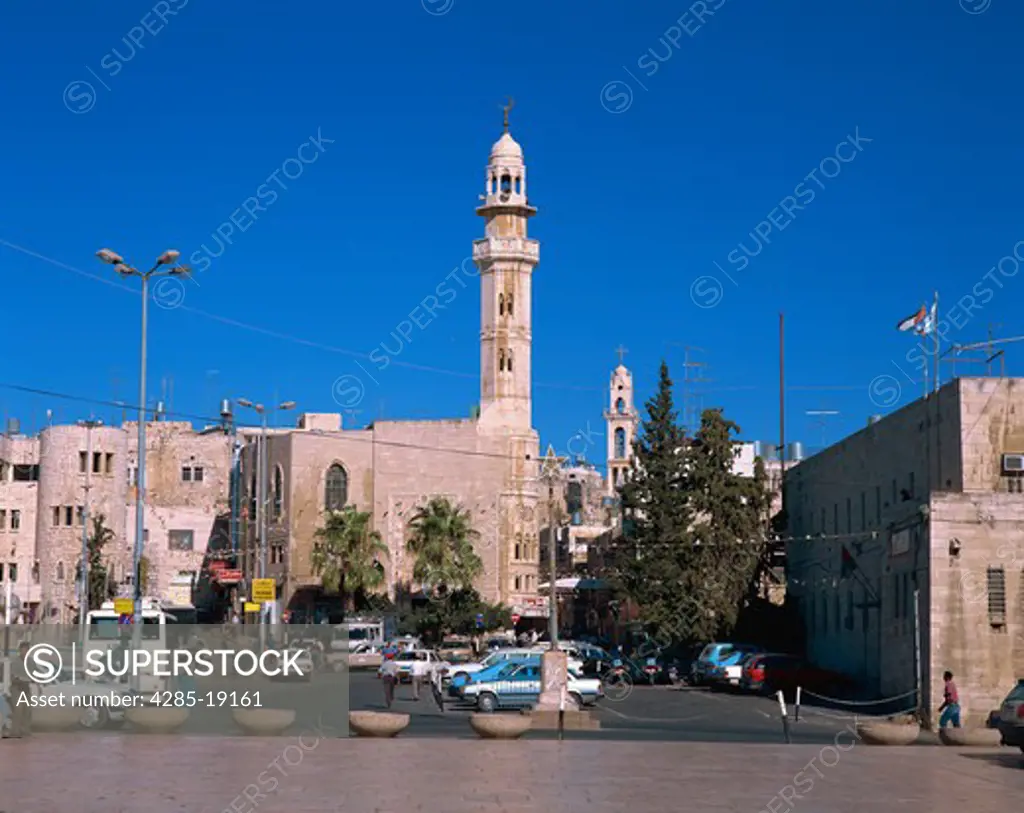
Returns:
(717, 655)
(491, 672)
(1011, 717)
(365, 656)
(519, 686)
(727, 674)
(405, 661)
(456, 649)
(772, 672)
(462, 673)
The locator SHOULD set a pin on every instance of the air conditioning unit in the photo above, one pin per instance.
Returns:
(1013, 463)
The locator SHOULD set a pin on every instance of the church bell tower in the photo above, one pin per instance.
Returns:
(621, 419)
(505, 257)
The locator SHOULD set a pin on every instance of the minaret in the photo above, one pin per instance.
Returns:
(621, 419)
(506, 259)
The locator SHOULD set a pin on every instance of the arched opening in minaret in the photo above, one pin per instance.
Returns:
(506, 184)
(509, 368)
(620, 406)
(501, 361)
(620, 443)
(508, 305)
(519, 185)
(501, 304)
(494, 184)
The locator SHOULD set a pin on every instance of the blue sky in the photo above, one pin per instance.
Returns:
(659, 142)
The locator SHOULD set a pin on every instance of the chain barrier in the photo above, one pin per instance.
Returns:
(881, 701)
(820, 713)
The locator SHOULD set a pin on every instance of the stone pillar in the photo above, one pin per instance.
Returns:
(554, 676)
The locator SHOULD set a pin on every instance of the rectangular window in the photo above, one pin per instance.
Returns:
(186, 474)
(83, 462)
(197, 474)
(108, 463)
(179, 540)
(69, 515)
(996, 580)
(863, 510)
(15, 519)
(26, 473)
(56, 516)
(13, 572)
(97, 462)
(878, 505)
(3, 519)
(2, 570)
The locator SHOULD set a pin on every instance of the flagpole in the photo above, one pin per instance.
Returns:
(935, 330)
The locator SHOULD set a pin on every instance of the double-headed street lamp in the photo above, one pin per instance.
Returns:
(166, 265)
(263, 474)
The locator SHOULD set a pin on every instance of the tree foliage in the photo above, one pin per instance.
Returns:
(455, 615)
(441, 538)
(693, 530)
(347, 552)
(100, 586)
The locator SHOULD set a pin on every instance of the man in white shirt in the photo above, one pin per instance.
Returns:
(420, 673)
(389, 677)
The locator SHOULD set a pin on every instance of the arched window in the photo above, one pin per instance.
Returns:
(336, 488)
(501, 361)
(509, 367)
(60, 571)
(506, 185)
(501, 304)
(620, 443)
(508, 305)
(278, 492)
(35, 573)
(620, 406)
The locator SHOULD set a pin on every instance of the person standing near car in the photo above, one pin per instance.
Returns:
(389, 677)
(950, 707)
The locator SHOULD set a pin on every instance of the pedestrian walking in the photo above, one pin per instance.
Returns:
(389, 677)
(950, 707)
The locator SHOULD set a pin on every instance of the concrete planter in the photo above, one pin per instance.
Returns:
(970, 737)
(888, 733)
(264, 722)
(55, 718)
(500, 726)
(377, 723)
(156, 719)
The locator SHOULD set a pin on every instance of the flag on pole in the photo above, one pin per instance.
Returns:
(927, 325)
(912, 322)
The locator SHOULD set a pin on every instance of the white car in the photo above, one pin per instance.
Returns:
(423, 662)
(498, 656)
(100, 712)
(520, 687)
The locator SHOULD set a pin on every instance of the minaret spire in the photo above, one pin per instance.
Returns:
(505, 109)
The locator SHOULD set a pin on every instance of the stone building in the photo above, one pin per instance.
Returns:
(926, 502)
(487, 463)
(47, 481)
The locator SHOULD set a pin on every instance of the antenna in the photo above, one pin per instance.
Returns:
(822, 415)
(693, 398)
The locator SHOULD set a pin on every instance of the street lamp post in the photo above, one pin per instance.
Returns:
(263, 475)
(83, 597)
(166, 265)
(554, 662)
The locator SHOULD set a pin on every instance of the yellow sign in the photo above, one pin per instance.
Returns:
(124, 606)
(264, 590)
(251, 607)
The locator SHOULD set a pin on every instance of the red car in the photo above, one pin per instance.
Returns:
(772, 672)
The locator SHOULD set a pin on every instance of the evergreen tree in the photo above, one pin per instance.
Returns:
(729, 529)
(654, 553)
(98, 589)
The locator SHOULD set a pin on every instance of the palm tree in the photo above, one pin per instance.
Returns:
(347, 553)
(442, 542)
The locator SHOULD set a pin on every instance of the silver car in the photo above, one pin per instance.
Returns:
(1011, 717)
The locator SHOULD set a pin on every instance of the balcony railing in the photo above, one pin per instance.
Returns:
(516, 248)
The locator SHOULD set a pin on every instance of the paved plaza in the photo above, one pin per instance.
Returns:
(307, 773)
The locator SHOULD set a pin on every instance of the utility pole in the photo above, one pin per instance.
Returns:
(554, 663)
(83, 597)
